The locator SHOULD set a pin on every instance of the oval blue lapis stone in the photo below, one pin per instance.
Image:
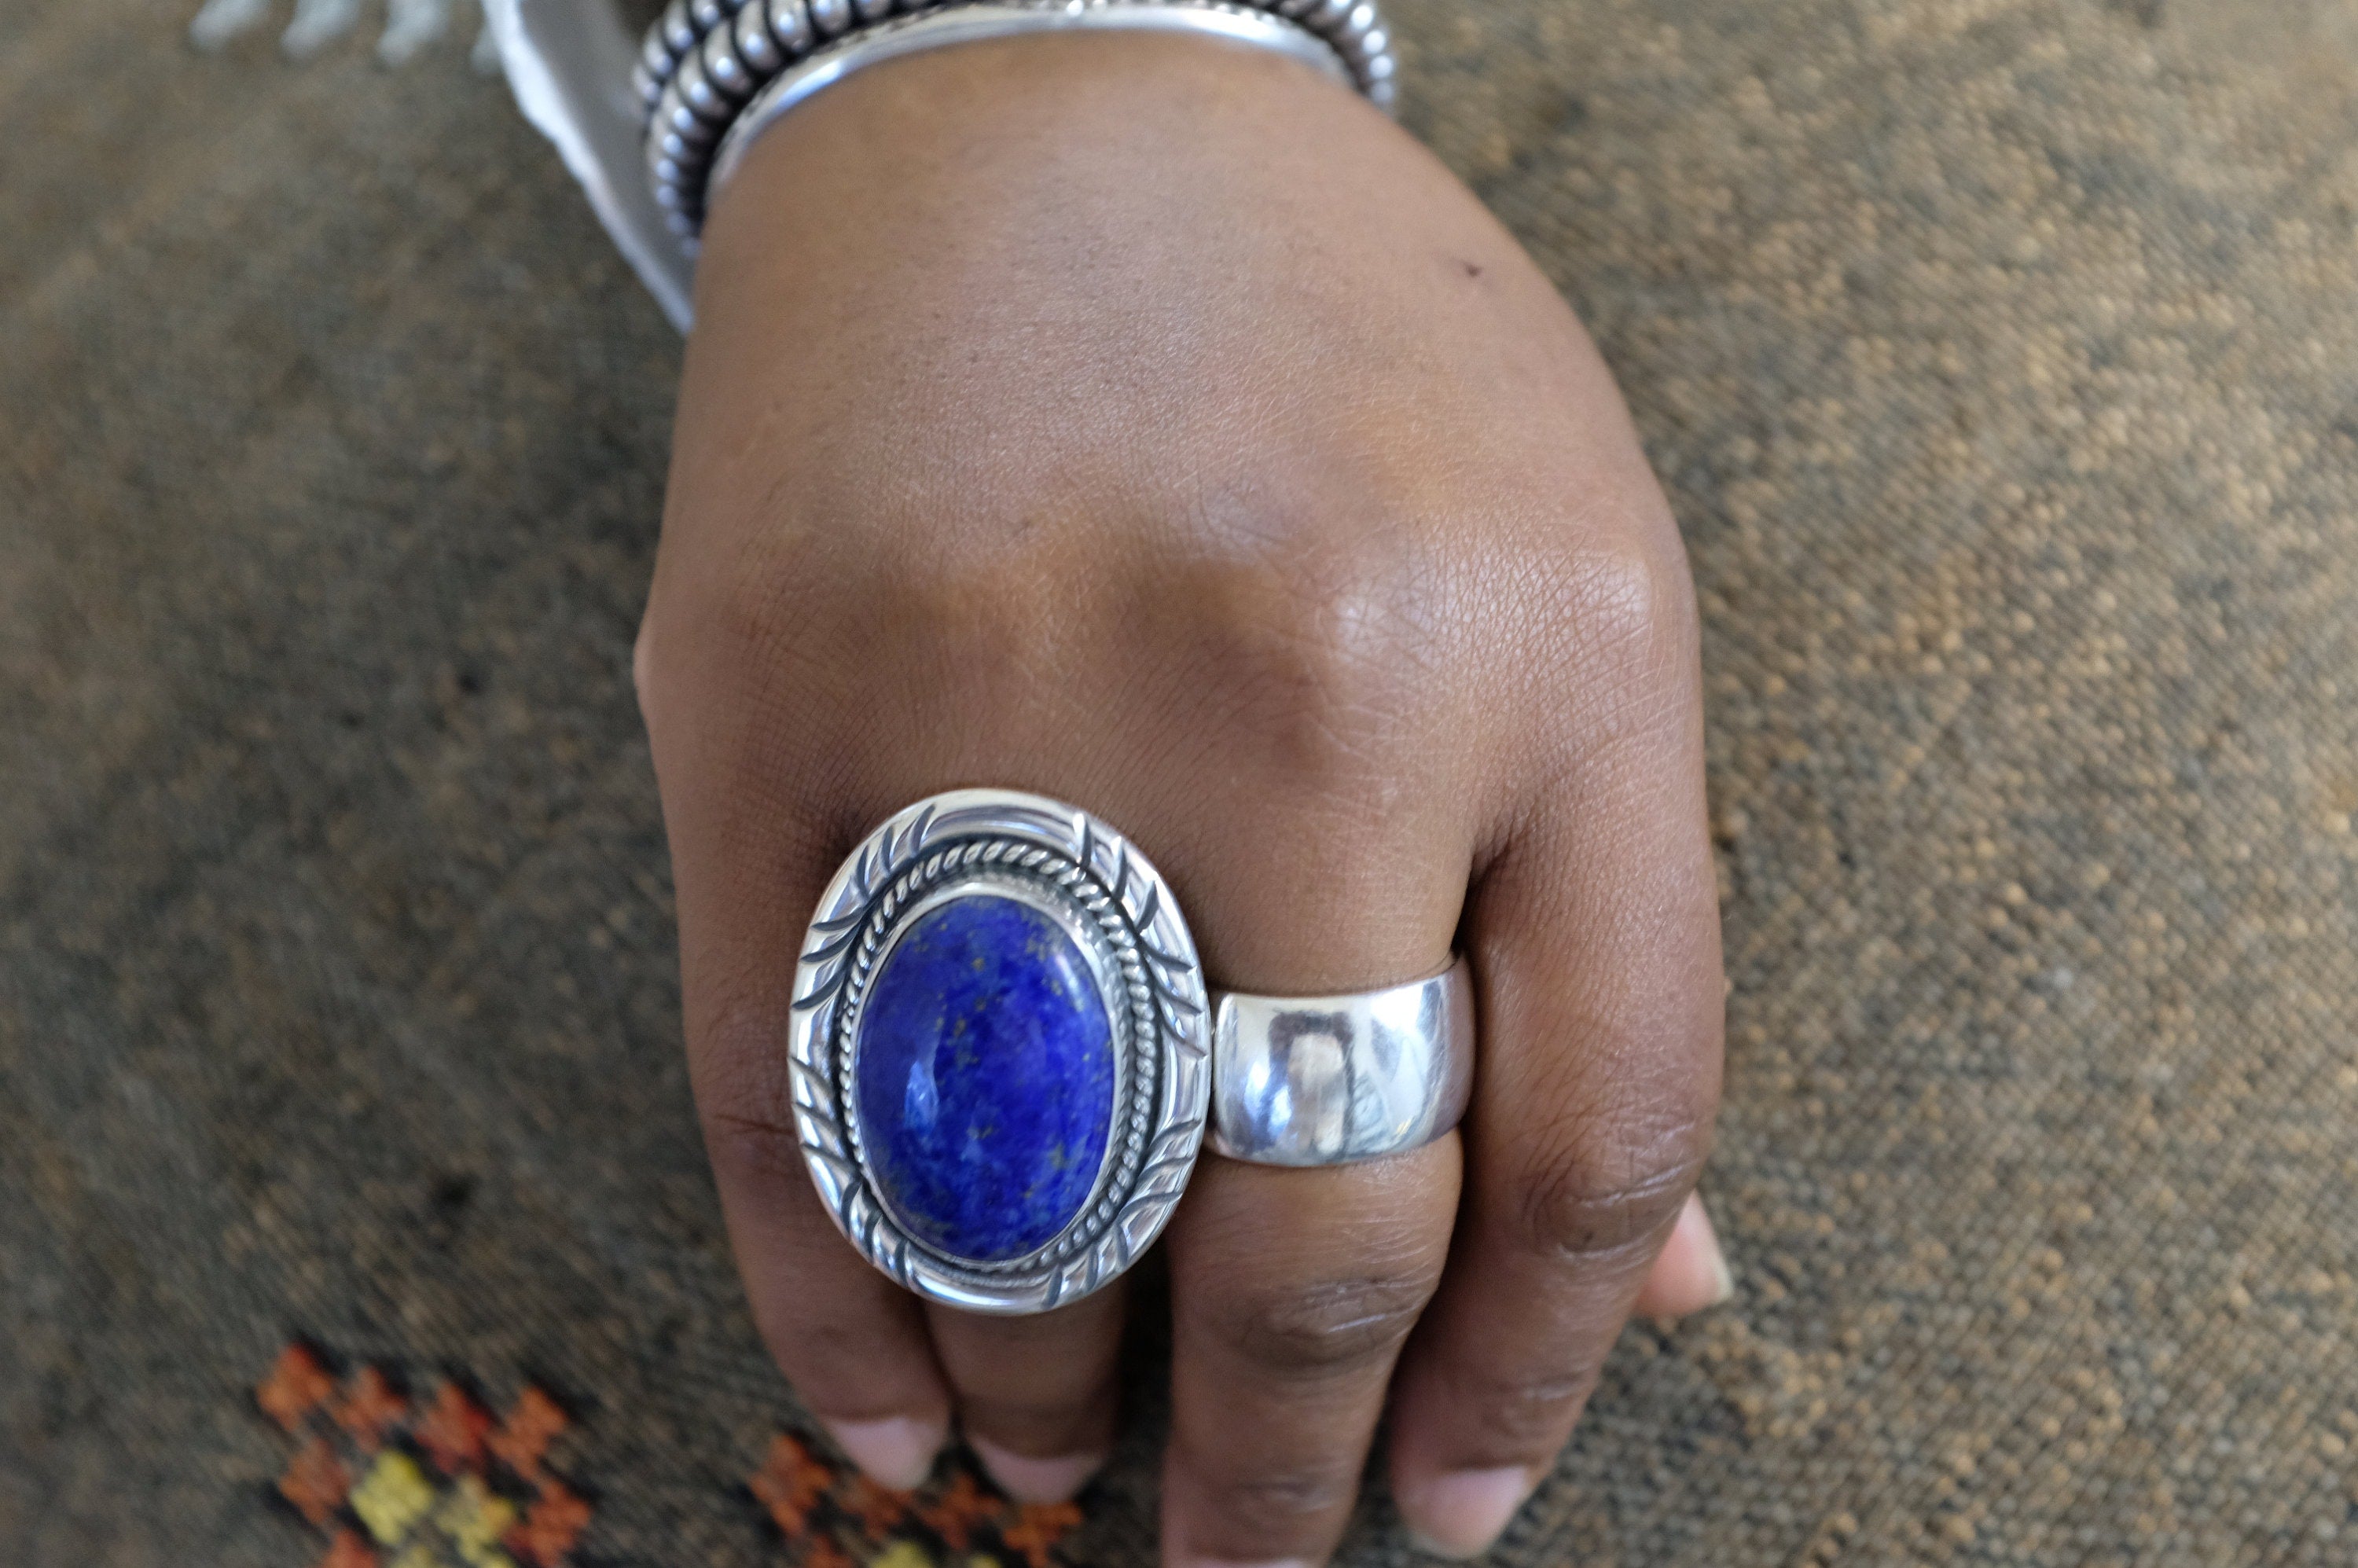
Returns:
(985, 1075)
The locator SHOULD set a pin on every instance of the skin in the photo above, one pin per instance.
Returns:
(1151, 425)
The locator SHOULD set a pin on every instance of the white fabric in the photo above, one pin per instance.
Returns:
(568, 63)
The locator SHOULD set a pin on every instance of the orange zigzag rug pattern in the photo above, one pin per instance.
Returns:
(438, 1481)
(835, 1517)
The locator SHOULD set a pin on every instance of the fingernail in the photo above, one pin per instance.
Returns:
(1692, 1273)
(897, 1452)
(1723, 1279)
(1028, 1480)
(1724, 1287)
(1460, 1514)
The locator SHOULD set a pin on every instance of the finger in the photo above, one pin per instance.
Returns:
(1036, 1395)
(1597, 946)
(1293, 1291)
(749, 868)
(852, 1343)
(1690, 1273)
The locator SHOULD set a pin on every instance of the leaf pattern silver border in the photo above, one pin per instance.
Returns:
(1104, 875)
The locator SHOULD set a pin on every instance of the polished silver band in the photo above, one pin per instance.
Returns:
(715, 73)
(1335, 1080)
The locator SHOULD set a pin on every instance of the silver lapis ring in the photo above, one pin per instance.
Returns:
(1005, 1056)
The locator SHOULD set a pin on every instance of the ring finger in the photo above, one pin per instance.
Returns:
(1036, 1395)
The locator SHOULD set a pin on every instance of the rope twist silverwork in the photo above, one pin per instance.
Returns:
(975, 843)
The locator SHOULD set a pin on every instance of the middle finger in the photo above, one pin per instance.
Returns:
(1036, 1395)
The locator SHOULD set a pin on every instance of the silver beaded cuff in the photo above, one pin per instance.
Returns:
(712, 73)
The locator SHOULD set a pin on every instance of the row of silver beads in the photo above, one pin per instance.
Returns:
(704, 59)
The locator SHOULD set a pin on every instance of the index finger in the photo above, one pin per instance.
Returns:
(852, 1343)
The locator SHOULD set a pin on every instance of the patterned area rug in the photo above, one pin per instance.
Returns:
(2002, 360)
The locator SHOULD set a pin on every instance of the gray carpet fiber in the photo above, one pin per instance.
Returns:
(2001, 357)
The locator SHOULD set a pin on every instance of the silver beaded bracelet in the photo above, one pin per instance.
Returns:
(713, 74)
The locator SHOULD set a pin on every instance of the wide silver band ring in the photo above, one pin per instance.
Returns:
(1004, 1060)
(1333, 1079)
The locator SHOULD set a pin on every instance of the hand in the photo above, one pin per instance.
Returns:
(1150, 425)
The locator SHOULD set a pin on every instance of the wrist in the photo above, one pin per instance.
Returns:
(1018, 249)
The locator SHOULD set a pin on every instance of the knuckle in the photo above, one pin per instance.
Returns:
(1630, 609)
(1327, 1326)
(746, 1149)
(1315, 656)
(1631, 594)
(1281, 1500)
(1607, 1202)
(844, 1362)
(744, 1097)
(1523, 1413)
(972, 629)
(828, 1349)
(741, 663)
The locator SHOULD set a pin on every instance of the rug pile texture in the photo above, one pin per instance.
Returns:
(2001, 359)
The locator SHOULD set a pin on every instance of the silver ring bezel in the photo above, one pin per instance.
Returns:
(1108, 897)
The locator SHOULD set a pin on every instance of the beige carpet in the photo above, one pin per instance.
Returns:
(2001, 357)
